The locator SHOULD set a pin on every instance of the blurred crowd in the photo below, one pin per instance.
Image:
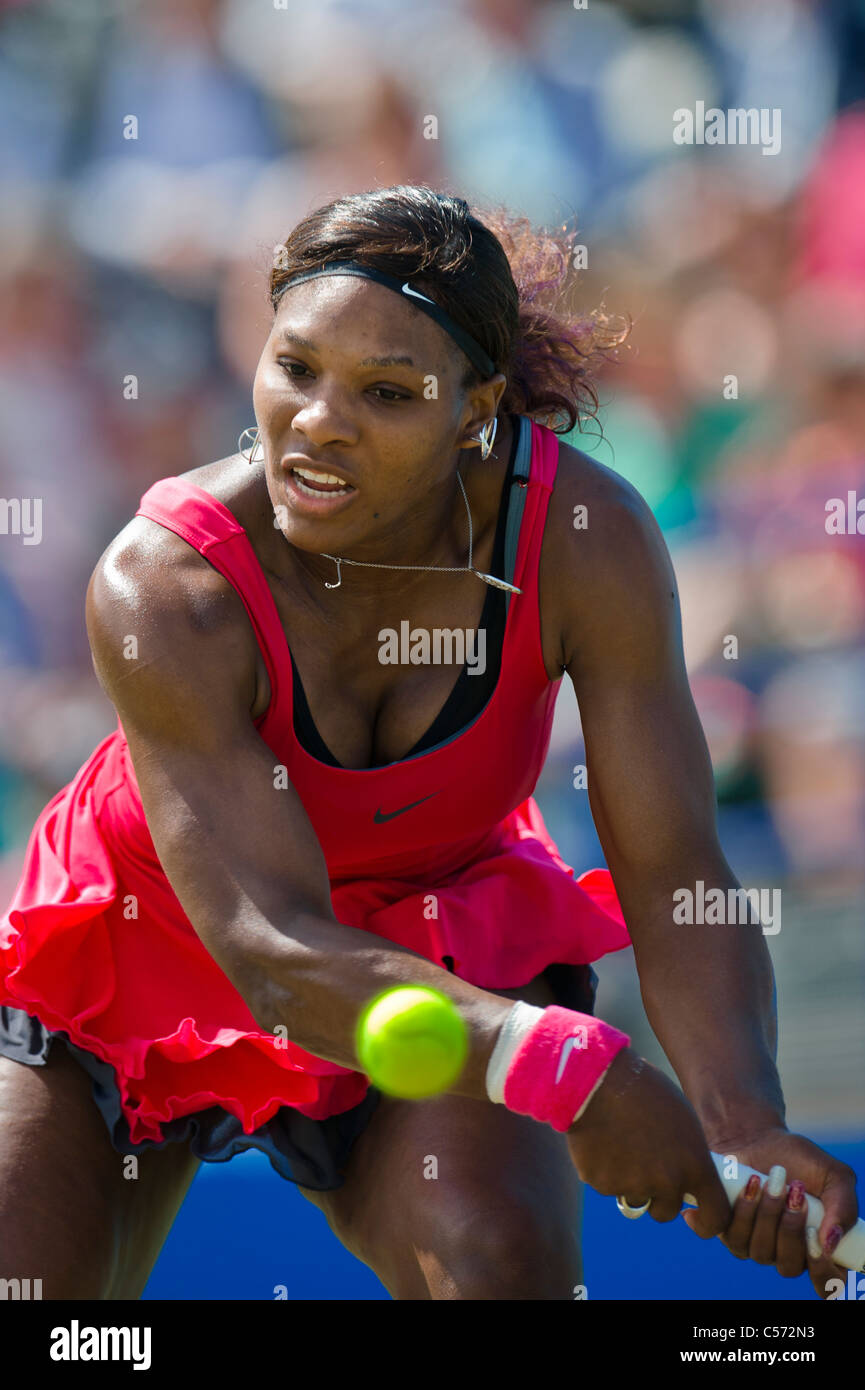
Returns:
(154, 154)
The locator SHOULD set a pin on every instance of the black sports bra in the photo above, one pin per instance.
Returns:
(471, 693)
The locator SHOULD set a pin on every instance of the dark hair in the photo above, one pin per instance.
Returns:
(500, 279)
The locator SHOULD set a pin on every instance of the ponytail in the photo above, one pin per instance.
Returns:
(555, 353)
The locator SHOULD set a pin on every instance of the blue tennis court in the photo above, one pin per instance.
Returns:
(245, 1233)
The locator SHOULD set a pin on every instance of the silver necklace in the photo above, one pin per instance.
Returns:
(339, 560)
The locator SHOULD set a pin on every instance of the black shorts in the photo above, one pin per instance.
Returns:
(312, 1153)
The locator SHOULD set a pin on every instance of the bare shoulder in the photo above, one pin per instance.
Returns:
(239, 488)
(594, 502)
(151, 583)
(603, 554)
(146, 562)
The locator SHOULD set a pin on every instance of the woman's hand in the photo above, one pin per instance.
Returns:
(639, 1138)
(768, 1229)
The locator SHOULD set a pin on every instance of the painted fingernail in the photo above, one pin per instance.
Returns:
(815, 1249)
(752, 1187)
(777, 1180)
(832, 1239)
(796, 1196)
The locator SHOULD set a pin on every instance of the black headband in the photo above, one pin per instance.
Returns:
(472, 349)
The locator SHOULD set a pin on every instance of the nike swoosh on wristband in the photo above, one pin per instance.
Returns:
(407, 289)
(569, 1045)
(381, 816)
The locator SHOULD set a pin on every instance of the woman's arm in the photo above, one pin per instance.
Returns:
(175, 652)
(708, 990)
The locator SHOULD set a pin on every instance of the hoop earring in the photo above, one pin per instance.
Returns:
(250, 457)
(487, 437)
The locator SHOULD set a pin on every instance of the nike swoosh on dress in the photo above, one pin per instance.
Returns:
(381, 816)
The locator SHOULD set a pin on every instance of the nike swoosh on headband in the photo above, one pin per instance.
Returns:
(480, 359)
(381, 816)
(407, 289)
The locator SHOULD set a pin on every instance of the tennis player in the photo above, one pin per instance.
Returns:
(334, 658)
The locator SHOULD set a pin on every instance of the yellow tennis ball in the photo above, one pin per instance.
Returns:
(412, 1042)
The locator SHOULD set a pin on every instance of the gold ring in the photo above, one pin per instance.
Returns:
(632, 1212)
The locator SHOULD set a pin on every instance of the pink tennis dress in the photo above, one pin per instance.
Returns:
(444, 852)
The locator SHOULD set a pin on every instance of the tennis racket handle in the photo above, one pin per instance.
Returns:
(850, 1250)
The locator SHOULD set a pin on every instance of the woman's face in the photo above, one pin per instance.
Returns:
(355, 383)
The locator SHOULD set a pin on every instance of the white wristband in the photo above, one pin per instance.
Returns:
(521, 1020)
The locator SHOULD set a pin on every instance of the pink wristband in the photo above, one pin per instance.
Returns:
(558, 1064)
